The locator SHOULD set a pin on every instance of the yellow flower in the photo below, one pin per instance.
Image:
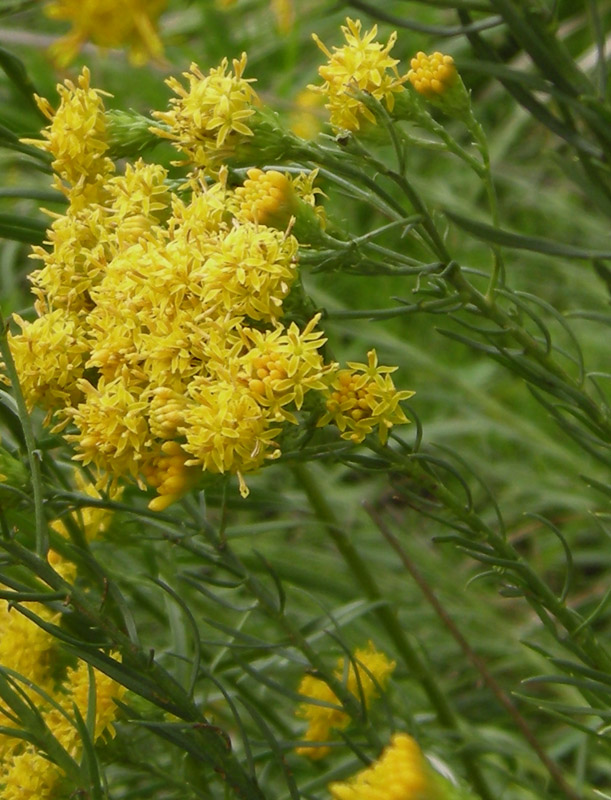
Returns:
(266, 197)
(362, 398)
(283, 364)
(113, 433)
(76, 138)
(250, 272)
(361, 64)
(50, 355)
(432, 75)
(284, 12)
(138, 201)
(108, 23)
(29, 776)
(93, 521)
(374, 669)
(81, 247)
(226, 430)
(401, 773)
(207, 120)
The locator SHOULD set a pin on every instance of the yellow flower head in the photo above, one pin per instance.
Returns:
(283, 364)
(207, 120)
(226, 429)
(76, 138)
(284, 12)
(374, 669)
(362, 64)
(432, 75)
(82, 244)
(137, 201)
(401, 773)
(108, 23)
(113, 433)
(29, 776)
(362, 398)
(250, 272)
(305, 120)
(50, 355)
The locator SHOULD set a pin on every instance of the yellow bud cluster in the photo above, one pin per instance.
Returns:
(266, 197)
(169, 475)
(432, 74)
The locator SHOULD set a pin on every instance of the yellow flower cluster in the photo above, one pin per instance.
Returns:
(361, 64)
(209, 119)
(432, 74)
(159, 347)
(401, 773)
(364, 397)
(108, 23)
(374, 669)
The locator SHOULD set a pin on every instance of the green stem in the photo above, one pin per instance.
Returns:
(387, 618)
(42, 532)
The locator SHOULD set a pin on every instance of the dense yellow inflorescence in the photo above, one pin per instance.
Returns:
(433, 74)
(361, 64)
(160, 349)
(108, 23)
(401, 773)
(374, 669)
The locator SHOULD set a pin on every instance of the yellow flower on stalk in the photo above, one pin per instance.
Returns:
(77, 140)
(401, 773)
(209, 119)
(266, 197)
(284, 12)
(280, 201)
(362, 398)
(81, 245)
(108, 23)
(306, 120)
(432, 74)
(374, 669)
(362, 64)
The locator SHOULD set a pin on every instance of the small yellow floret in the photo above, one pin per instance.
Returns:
(432, 74)
(401, 773)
